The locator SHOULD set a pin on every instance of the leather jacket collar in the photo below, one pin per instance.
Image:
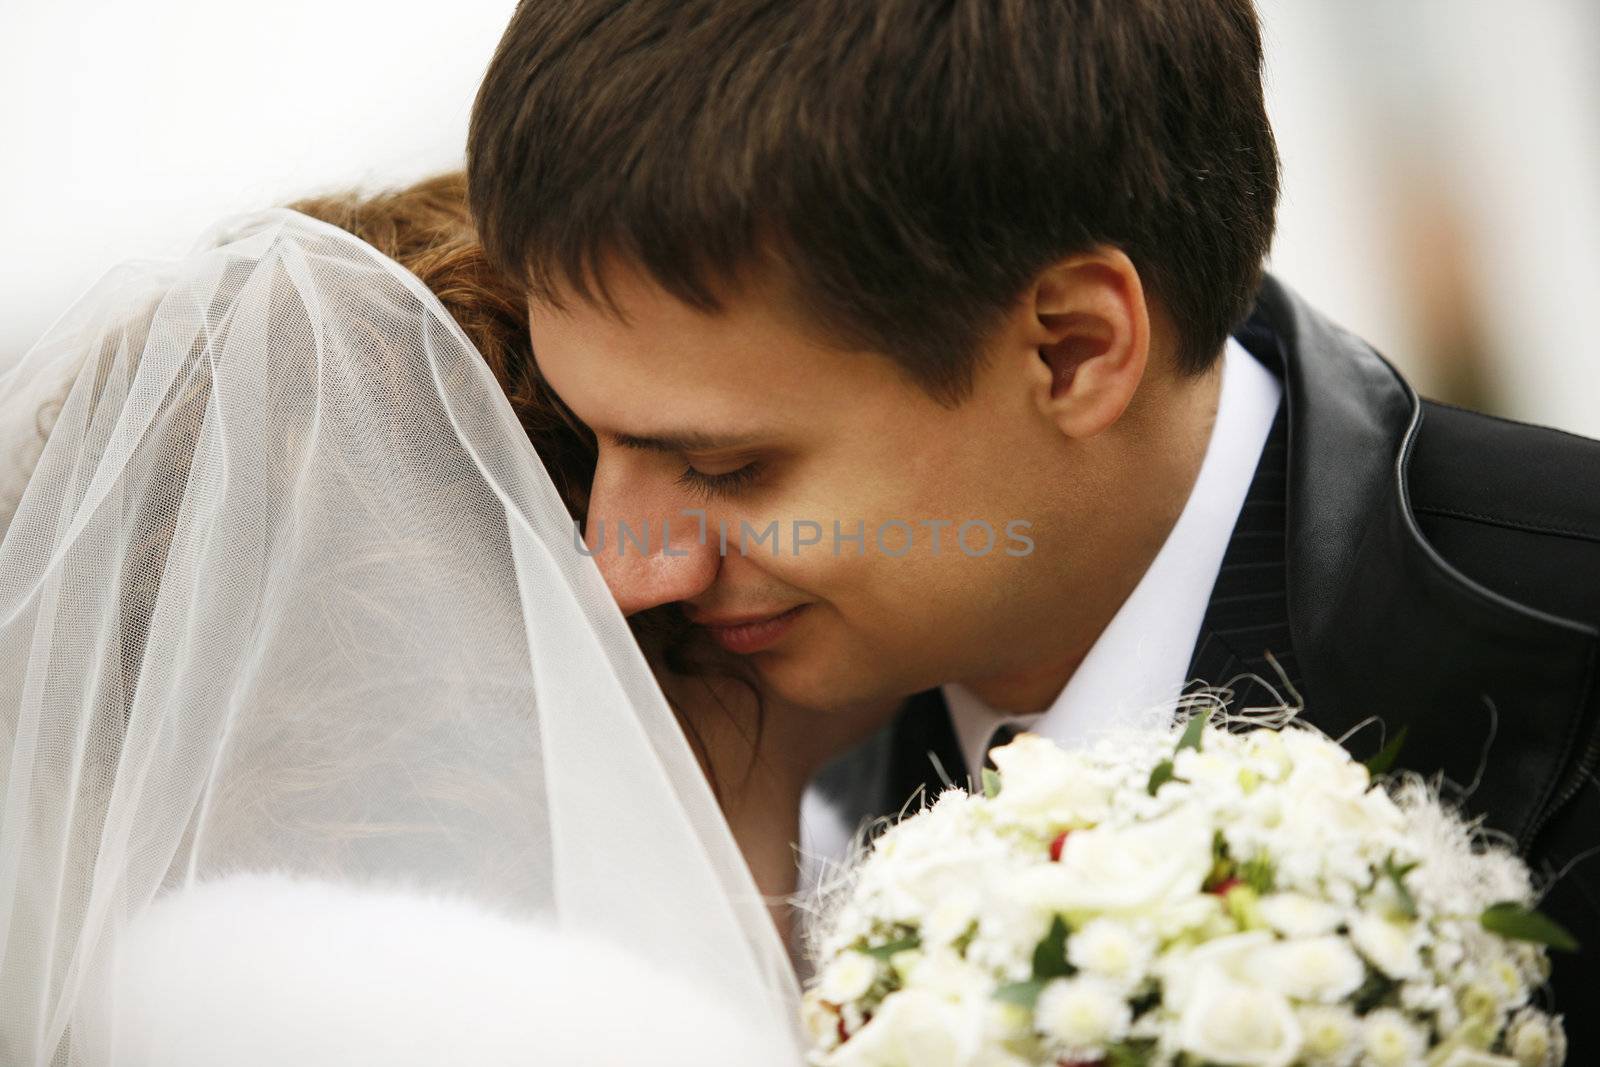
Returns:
(1383, 626)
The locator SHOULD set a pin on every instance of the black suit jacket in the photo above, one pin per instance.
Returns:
(1436, 568)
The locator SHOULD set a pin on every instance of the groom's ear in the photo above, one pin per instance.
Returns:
(1088, 329)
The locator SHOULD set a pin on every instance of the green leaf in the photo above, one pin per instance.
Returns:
(887, 951)
(1193, 732)
(1161, 775)
(1375, 991)
(1396, 873)
(1130, 1054)
(1513, 920)
(1024, 994)
(991, 783)
(1050, 955)
(1379, 764)
(1221, 864)
(1259, 874)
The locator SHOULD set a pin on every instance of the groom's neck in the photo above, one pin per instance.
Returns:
(1032, 689)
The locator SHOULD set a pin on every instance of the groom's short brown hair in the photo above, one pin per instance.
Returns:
(909, 165)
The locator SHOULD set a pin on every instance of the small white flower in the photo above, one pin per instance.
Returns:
(1008, 929)
(1480, 1005)
(1447, 953)
(1111, 950)
(902, 963)
(1296, 915)
(1082, 1015)
(950, 917)
(1244, 1025)
(847, 977)
(1392, 947)
(1266, 749)
(1506, 978)
(1391, 1040)
(1536, 1040)
(1211, 771)
(1322, 765)
(1329, 1035)
(821, 1021)
(1424, 996)
(947, 975)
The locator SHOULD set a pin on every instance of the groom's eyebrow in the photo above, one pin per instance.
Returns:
(682, 441)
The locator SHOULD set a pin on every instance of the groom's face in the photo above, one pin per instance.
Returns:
(744, 416)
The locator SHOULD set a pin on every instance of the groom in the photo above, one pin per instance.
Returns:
(928, 346)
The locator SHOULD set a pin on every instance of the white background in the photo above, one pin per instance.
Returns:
(1441, 182)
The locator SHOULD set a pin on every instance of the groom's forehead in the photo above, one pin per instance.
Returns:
(641, 347)
(648, 388)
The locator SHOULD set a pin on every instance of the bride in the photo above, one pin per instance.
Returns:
(320, 741)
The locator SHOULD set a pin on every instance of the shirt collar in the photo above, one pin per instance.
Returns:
(1139, 661)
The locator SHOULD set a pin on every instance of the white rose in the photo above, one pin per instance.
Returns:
(1294, 915)
(1082, 1015)
(1183, 972)
(1203, 913)
(1323, 970)
(1043, 784)
(1234, 1023)
(1112, 950)
(913, 1028)
(1138, 868)
(1392, 947)
(848, 976)
(1328, 1035)
(1392, 1040)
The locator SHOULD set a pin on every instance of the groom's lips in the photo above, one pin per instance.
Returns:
(750, 633)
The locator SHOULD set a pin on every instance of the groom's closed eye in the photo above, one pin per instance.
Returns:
(723, 485)
(708, 484)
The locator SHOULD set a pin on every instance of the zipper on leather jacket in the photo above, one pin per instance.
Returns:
(1585, 770)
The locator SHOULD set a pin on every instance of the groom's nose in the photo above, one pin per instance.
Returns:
(648, 551)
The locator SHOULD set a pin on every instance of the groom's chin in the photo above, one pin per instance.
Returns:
(817, 679)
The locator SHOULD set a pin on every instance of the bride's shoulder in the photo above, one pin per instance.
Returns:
(272, 969)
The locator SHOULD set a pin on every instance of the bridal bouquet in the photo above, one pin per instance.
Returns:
(1185, 897)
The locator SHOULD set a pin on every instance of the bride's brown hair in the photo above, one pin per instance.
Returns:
(427, 229)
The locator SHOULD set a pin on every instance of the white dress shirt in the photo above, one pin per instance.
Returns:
(1140, 659)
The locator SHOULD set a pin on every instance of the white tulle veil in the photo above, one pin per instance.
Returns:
(289, 590)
